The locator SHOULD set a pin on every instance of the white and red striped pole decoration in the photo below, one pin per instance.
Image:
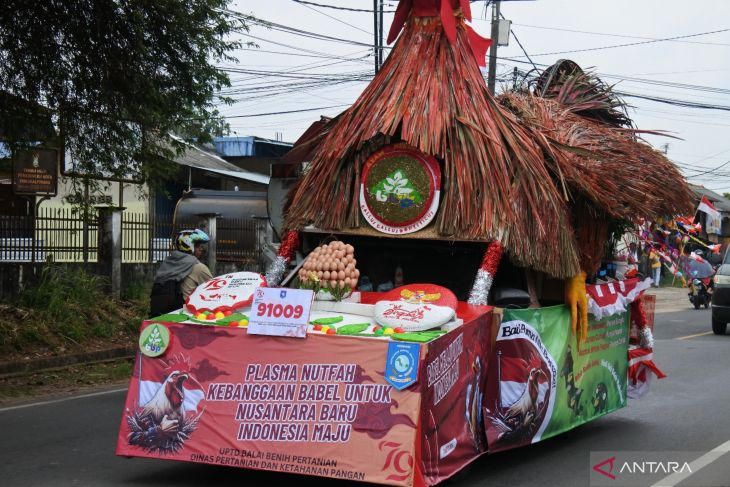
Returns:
(485, 275)
(287, 249)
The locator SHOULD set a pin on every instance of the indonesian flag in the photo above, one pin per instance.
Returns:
(706, 206)
(514, 374)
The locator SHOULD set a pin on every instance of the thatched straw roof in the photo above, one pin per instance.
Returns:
(540, 176)
(611, 167)
(431, 95)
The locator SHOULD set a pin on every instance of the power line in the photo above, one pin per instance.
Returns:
(711, 170)
(669, 101)
(302, 55)
(293, 30)
(341, 8)
(281, 113)
(624, 36)
(512, 31)
(628, 44)
(305, 4)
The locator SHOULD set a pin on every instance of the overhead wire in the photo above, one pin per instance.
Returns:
(651, 41)
(306, 5)
(624, 36)
(301, 82)
(341, 8)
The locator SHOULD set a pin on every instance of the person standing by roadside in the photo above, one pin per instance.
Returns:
(632, 259)
(656, 266)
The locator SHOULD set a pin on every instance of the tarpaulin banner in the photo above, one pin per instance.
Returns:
(541, 383)
(452, 423)
(319, 406)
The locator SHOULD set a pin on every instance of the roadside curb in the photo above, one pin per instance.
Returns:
(10, 369)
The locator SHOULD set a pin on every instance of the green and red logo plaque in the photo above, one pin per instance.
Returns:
(154, 340)
(399, 192)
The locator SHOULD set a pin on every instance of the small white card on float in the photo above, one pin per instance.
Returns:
(280, 312)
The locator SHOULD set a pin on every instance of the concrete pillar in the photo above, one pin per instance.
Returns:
(110, 246)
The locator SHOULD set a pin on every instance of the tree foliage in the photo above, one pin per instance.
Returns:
(116, 77)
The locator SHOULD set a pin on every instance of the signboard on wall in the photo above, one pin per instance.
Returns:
(35, 172)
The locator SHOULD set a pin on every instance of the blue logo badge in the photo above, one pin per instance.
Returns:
(282, 294)
(401, 368)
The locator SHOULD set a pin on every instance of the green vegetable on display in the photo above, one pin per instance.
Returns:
(418, 336)
(327, 321)
(353, 329)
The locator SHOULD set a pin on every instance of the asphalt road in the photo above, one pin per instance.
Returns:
(71, 441)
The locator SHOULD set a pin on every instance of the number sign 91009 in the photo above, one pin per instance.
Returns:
(270, 310)
(281, 312)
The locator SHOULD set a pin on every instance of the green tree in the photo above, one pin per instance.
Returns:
(116, 77)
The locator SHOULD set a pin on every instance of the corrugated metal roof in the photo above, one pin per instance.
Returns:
(201, 159)
(243, 174)
(237, 146)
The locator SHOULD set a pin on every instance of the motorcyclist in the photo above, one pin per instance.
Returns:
(180, 273)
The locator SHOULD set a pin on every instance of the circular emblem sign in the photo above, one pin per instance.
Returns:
(154, 340)
(399, 192)
(226, 292)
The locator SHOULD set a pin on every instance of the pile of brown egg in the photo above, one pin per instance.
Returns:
(330, 266)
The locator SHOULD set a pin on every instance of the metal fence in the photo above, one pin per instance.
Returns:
(148, 238)
(65, 235)
(62, 234)
(241, 241)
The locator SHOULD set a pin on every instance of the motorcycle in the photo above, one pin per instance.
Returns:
(700, 292)
(700, 287)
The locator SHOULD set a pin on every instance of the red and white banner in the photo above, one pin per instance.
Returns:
(614, 297)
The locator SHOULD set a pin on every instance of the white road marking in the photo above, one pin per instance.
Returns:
(697, 465)
(63, 399)
(693, 336)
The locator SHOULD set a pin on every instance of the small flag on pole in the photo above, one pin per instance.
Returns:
(706, 206)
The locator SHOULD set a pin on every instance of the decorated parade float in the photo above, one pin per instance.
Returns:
(429, 302)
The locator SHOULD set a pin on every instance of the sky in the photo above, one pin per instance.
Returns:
(289, 72)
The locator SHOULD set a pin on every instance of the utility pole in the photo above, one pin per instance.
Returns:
(493, 48)
(376, 49)
(380, 35)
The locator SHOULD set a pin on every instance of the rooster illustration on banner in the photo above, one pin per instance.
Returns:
(520, 405)
(522, 387)
(169, 405)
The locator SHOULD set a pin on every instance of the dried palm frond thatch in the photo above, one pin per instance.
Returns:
(431, 95)
(608, 174)
(582, 92)
(613, 168)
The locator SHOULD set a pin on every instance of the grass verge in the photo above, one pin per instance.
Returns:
(68, 310)
(76, 378)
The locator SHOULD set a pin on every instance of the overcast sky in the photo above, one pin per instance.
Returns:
(543, 26)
